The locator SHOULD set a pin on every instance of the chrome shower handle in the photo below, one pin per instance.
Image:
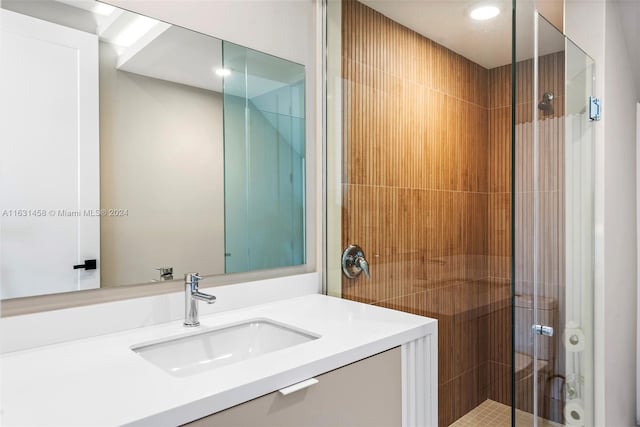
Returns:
(354, 262)
(364, 266)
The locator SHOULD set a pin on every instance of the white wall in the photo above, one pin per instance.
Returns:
(161, 158)
(620, 226)
(279, 27)
(595, 26)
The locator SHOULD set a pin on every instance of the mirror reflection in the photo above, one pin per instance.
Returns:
(136, 151)
(264, 205)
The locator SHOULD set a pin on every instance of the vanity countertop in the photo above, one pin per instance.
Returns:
(101, 381)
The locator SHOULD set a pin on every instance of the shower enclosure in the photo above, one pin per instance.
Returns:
(460, 159)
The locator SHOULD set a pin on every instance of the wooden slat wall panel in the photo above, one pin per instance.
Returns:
(427, 193)
(416, 192)
(499, 229)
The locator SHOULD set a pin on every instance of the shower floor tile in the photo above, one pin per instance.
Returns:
(494, 414)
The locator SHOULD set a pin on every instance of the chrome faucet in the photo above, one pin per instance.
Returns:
(191, 297)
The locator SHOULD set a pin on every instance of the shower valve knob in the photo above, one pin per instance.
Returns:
(354, 262)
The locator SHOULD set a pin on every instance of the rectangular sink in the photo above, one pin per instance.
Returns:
(214, 348)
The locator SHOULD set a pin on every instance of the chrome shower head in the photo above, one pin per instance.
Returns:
(545, 105)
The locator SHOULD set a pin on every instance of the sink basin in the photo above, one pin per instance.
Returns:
(214, 348)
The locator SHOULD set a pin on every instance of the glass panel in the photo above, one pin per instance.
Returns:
(539, 225)
(523, 215)
(577, 336)
(264, 140)
(553, 233)
(549, 225)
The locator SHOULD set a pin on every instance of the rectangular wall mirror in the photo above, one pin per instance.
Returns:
(133, 151)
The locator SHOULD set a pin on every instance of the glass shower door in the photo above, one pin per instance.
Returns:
(580, 250)
(554, 234)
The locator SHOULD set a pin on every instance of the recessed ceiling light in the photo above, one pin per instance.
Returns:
(222, 72)
(134, 31)
(90, 6)
(103, 9)
(483, 12)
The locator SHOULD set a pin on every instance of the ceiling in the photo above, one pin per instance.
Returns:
(152, 48)
(630, 17)
(176, 55)
(487, 43)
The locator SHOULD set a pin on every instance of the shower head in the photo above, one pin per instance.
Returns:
(545, 105)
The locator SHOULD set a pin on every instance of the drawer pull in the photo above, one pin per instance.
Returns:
(298, 386)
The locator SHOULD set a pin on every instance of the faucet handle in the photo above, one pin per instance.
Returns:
(361, 262)
(192, 278)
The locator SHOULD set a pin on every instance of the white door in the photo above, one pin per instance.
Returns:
(49, 157)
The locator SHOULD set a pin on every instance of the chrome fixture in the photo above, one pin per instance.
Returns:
(595, 107)
(166, 273)
(547, 331)
(354, 262)
(191, 297)
(545, 105)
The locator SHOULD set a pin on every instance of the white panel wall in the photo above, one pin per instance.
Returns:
(595, 26)
(620, 225)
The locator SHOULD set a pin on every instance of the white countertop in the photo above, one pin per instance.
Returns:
(101, 381)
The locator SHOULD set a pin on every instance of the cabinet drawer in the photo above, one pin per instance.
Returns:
(366, 393)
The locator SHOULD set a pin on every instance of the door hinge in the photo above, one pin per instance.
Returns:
(594, 108)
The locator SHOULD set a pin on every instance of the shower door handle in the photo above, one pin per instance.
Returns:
(547, 331)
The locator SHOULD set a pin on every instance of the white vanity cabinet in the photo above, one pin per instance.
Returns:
(365, 393)
(374, 367)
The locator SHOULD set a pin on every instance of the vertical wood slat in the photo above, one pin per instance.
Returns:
(415, 190)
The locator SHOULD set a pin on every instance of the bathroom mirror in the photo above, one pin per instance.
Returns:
(133, 151)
